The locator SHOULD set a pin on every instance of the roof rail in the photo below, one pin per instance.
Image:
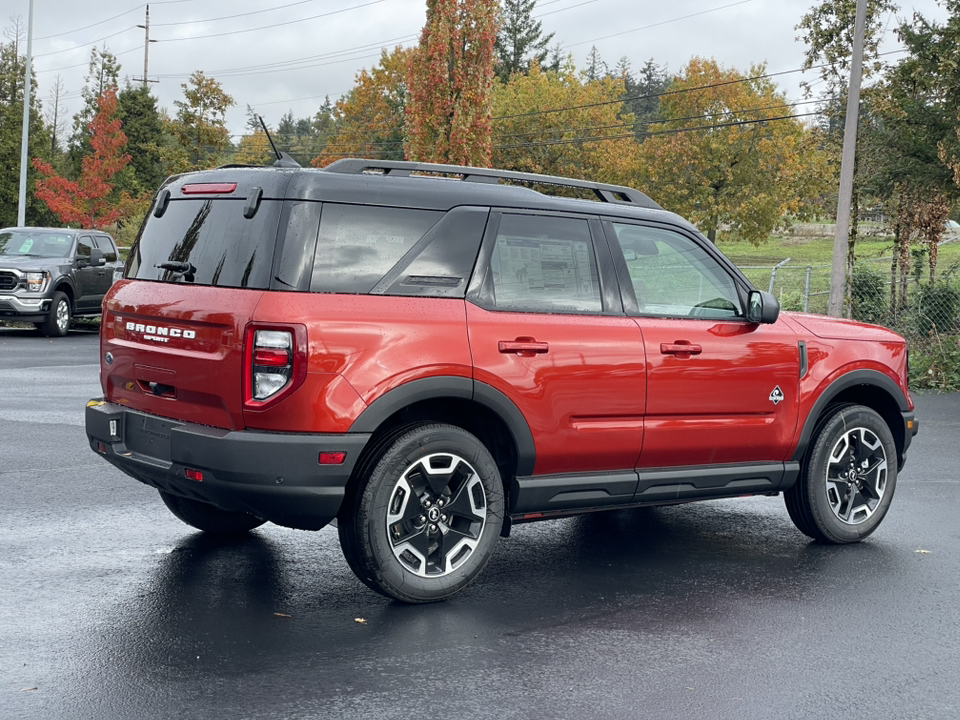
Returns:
(605, 193)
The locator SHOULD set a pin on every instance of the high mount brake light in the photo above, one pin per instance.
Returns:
(275, 363)
(208, 188)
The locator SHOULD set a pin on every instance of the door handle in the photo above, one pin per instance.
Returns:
(523, 346)
(680, 347)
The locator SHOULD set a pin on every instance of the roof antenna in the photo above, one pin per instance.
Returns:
(283, 160)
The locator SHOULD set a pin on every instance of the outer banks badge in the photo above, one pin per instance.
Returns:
(776, 397)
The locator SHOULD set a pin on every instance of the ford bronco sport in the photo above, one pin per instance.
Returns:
(429, 354)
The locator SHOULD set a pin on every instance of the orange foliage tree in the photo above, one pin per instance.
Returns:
(451, 81)
(87, 201)
(556, 123)
(729, 156)
(369, 120)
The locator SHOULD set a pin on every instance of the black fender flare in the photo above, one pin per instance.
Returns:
(857, 377)
(444, 386)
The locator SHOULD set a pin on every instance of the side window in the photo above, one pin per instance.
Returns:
(545, 264)
(673, 276)
(84, 246)
(106, 244)
(359, 244)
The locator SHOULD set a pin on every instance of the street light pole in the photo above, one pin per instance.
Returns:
(838, 274)
(25, 133)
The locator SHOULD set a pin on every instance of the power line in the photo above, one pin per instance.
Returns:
(387, 144)
(276, 25)
(665, 22)
(238, 15)
(101, 22)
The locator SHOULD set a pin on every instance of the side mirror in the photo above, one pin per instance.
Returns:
(762, 307)
(97, 258)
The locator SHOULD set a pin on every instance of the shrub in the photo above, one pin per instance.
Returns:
(868, 295)
(935, 363)
(937, 308)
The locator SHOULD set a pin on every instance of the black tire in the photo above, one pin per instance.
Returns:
(210, 518)
(422, 520)
(57, 323)
(848, 476)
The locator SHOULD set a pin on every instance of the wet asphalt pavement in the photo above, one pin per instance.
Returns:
(112, 608)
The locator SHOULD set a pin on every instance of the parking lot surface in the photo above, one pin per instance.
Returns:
(112, 608)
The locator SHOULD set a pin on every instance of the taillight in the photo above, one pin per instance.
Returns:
(275, 362)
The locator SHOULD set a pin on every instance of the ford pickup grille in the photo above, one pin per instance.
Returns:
(8, 281)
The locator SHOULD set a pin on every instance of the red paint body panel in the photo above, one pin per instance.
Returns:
(204, 371)
(879, 349)
(583, 398)
(714, 407)
(359, 348)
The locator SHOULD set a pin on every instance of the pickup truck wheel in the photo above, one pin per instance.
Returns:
(57, 322)
(848, 477)
(210, 518)
(424, 518)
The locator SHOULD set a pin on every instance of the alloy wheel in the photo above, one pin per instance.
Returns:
(856, 475)
(436, 515)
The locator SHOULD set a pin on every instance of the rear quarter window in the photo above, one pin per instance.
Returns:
(225, 248)
(359, 244)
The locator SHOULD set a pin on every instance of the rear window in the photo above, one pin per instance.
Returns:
(223, 247)
(360, 243)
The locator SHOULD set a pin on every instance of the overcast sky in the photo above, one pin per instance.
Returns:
(288, 54)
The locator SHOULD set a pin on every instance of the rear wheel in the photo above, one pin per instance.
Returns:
(423, 520)
(848, 478)
(57, 322)
(210, 518)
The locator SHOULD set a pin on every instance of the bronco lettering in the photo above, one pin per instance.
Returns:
(162, 331)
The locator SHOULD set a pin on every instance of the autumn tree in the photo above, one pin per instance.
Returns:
(552, 122)
(87, 201)
(103, 73)
(200, 126)
(728, 155)
(520, 39)
(451, 81)
(369, 120)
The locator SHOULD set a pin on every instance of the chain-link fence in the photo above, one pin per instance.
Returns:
(911, 305)
(927, 314)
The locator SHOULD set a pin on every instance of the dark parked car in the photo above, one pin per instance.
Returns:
(48, 275)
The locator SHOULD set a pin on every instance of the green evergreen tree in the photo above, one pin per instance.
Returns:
(143, 126)
(12, 69)
(520, 40)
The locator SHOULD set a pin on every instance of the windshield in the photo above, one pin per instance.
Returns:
(34, 244)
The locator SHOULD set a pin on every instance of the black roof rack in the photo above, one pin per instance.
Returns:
(400, 168)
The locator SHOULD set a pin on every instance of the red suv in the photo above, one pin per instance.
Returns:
(428, 354)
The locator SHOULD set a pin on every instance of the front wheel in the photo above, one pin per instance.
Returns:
(57, 322)
(848, 477)
(424, 518)
(210, 518)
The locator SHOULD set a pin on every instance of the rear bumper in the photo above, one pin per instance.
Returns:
(276, 476)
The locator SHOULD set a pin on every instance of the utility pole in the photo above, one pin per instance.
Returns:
(146, 50)
(838, 274)
(25, 133)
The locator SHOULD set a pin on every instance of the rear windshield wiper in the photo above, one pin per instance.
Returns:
(180, 268)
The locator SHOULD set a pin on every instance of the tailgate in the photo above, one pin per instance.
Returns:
(176, 350)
